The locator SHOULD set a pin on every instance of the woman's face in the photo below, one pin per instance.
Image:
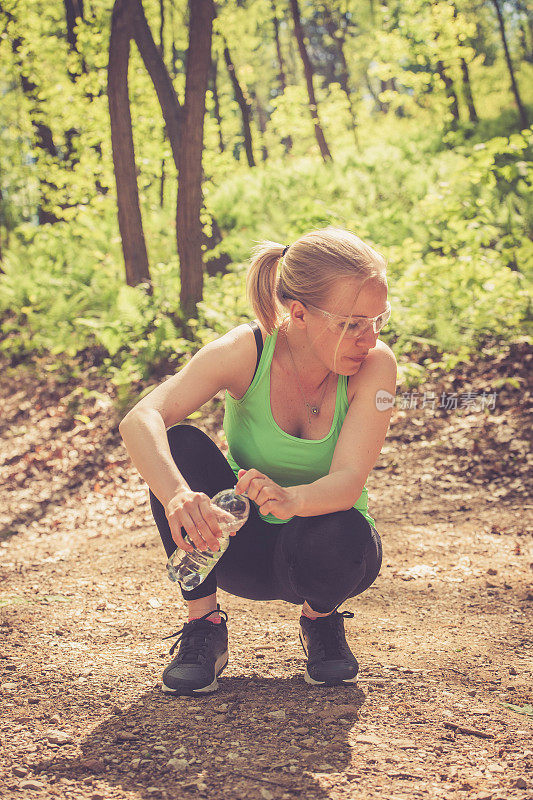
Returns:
(344, 354)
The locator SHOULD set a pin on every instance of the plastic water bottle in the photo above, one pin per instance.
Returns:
(190, 569)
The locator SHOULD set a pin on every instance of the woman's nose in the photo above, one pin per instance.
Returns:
(368, 338)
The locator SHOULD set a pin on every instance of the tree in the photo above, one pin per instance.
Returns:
(184, 127)
(338, 37)
(308, 71)
(467, 86)
(524, 123)
(287, 140)
(243, 103)
(216, 102)
(467, 92)
(453, 103)
(188, 226)
(162, 51)
(129, 212)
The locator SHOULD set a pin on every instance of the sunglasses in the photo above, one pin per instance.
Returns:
(358, 326)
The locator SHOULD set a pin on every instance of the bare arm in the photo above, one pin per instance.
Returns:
(145, 437)
(360, 441)
(218, 365)
(358, 447)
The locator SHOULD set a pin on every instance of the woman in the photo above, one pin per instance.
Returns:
(305, 422)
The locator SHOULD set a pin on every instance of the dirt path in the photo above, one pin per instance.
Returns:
(443, 636)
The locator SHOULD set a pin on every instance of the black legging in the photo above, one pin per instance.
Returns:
(323, 559)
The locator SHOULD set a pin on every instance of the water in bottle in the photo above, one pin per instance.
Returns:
(190, 569)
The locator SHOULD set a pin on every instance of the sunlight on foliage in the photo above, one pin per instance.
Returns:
(448, 205)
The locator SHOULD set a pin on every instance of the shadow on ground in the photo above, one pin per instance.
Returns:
(219, 744)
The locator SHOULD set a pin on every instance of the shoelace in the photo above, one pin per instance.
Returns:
(331, 639)
(193, 637)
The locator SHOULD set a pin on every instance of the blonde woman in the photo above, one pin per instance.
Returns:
(309, 391)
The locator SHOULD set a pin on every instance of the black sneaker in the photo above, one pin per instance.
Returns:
(329, 659)
(202, 656)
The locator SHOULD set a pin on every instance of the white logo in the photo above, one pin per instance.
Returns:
(384, 400)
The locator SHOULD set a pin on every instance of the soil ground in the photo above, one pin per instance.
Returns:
(443, 636)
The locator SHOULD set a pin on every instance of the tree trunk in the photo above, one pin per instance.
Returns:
(521, 108)
(1, 225)
(467, 86)
(73, 12)
(281, 73)
(155, 66)
(173, 115)
(188, 226)
(338, 37)
(527, 27)
(174, 55)
(244, 105)
(308, 70)
(453, 103)
(375, 96)
(292, 56)
(399, 110)
(216, 264)
(162, 28)
(44, 139)
(467, 92)
(214, 87)
(286, 140)
(383, 86)
(526, 40)
(129, 213)
(261, 122)
(162, 51)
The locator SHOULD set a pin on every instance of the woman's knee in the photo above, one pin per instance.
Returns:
(332, 548)
(186, 437)
(341, 562)
(376, 551)
(191, 446)
(342, 537)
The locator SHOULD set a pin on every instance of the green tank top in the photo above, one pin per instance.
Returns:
(255, 440)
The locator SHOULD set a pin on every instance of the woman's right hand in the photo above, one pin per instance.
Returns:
(194, 512)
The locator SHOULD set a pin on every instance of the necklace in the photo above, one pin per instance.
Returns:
(314, 409)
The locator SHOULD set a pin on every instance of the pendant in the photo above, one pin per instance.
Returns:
(315, 410)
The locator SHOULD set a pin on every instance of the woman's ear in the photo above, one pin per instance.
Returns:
(298, 312)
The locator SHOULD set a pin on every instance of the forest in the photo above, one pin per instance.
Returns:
(146, 146)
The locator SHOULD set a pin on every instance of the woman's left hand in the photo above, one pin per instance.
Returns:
(270, 497)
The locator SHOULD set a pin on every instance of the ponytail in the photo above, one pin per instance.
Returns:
(261, 283)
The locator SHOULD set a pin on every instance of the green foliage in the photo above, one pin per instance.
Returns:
(60, 296)
(448, 205)
(454, 226)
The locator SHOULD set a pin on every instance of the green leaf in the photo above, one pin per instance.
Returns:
(526, 709)
(507, 381)
(55, 598)
(8, 601)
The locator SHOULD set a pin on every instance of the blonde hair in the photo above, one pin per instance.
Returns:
(308, 271)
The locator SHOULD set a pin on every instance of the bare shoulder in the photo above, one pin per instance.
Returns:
(239, 342)
(383, 356)
(379, 365)
(227, 362)
(239, 350)
(241, 336)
